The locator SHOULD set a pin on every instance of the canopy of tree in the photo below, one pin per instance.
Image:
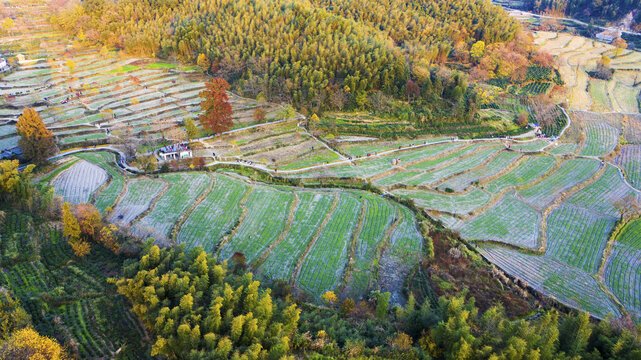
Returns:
(36, 141)
(302, 52)
(200, 310)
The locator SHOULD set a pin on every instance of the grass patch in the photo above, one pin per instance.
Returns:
(160, 65)
(125, 68)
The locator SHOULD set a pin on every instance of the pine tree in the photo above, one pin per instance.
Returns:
(36, 141)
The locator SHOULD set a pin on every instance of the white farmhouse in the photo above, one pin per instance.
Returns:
(4, 65)
(608, 35)
(176, 151)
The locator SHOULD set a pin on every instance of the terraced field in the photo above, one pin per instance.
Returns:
(576, 56)
(540, 209)
(79, 182)
(555, 201)
(304, 236)
(623, 269)
(104, 96)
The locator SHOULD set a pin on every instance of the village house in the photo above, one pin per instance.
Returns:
(4, 65)
(608, 35)
(175, 151)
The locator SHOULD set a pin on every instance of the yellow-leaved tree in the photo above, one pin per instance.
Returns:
(28, 344)
(71, 230)
(36, 141)
(330, 297)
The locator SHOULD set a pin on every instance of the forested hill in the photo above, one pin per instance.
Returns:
(301, 51)
(606, 10)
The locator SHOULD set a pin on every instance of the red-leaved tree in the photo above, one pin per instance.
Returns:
(217, 114)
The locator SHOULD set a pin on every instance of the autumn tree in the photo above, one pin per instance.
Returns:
(412, 90)
(191, 129)
(217, 112)
(478, 50)
(619, 45)
(544, 109)
(259, 115)
(28, 344)
(89, 220)
(203, 61)
(330, 297)
(147, 164)
(71, 228)
(287, 112)
(71, 65)
(12, 316)
(522, 119)
(107, 237)
(8, 24)
(36, 141)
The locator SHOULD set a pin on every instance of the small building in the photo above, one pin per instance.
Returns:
(21, 59)
(608, 35)
(4, 65)
(175, 151)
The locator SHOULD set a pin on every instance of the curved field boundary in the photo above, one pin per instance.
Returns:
(215, 216)
(293, 206)
(509, 221)
(185, 216)
(137, 199)
(78, 183)
(622, 268)
(312, 241)
(322, 266)
(184, 188)
(568, 285)
(265, 222)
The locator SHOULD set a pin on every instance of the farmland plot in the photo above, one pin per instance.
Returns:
(601, 139)
(455, 167)
(108, 196)
(396, 178)
(183, 191)
(312, 209)
(632, 129)
(623, 269)
(496, 165)
(564, 149)
(571, 173)
(403, 250)
(509, 221)
(525, 173)
(630, 161)
(603, 193)
(454, 204)
(379, 215)
(360, 149)
(530, 146)
(577, 237)
(215, 216)
(78, 183)
(136, 200)
(267, 210)
(599, 94)
(569, 285)
(325, 262)
(442, 160)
